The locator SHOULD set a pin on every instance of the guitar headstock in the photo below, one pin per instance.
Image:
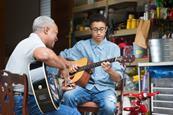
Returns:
(127, 59)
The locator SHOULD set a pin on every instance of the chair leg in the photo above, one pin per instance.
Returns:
(88, 113)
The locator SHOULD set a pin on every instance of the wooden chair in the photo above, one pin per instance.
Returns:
(7, 81)
(88, 107)
(92, 107)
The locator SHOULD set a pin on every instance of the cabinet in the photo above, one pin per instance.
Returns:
(163, 103)
(82, 12)
(117, 12)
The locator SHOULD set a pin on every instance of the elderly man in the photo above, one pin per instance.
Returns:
(38, 47)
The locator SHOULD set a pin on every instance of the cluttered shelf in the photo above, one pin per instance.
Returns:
(83, 33)
(86, 7)
(158, 77)
(118, 33)
(168, 63)
(124, 32)
(101, 4)
(125, 91)
(138, 61)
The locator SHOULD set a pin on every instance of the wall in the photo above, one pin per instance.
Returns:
(62, 14)
(19, 15)
(2, 46)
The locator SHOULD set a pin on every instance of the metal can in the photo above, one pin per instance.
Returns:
(134, 24)
(131, 16)
(158, 12)
(128, 26)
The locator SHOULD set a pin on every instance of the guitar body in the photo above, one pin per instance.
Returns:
(81, 78)
(44, 87)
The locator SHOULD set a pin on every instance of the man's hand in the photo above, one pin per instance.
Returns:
(64, 73)
(73, 67)
(68, 84)
(68, 87)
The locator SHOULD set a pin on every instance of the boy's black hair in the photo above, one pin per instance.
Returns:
(98, 18)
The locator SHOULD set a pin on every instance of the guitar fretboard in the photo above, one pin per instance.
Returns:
(93, 65)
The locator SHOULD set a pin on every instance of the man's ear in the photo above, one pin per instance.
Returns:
(46, 29)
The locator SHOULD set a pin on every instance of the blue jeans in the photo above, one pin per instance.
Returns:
(34, 110)
(106, 99)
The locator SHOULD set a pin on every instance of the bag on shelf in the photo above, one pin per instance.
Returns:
(142, 33)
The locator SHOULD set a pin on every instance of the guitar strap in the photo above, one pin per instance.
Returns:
(54, 86)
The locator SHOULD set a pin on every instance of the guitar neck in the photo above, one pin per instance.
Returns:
(93, 65)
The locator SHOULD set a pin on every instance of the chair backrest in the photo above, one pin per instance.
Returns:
(7, 81)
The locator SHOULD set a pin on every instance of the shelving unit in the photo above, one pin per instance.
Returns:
(124, 32)
(82, 33)
(161, 104)
(103, 3)
(87, 7)
(138, 60)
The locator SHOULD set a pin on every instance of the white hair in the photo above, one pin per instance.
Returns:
(42, 21)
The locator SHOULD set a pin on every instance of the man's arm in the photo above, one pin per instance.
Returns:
(48, 56)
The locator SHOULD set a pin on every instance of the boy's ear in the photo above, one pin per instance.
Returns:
(106, 28)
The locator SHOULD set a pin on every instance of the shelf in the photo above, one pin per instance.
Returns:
(133, 91)
(170, 63)
(137, 61)
(122, 3)
(87, 7)
(124, 32)
(82, 33)
(102, 4)
(124, 92)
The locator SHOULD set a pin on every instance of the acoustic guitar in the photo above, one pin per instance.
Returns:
(82, 75)
(45, 87)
